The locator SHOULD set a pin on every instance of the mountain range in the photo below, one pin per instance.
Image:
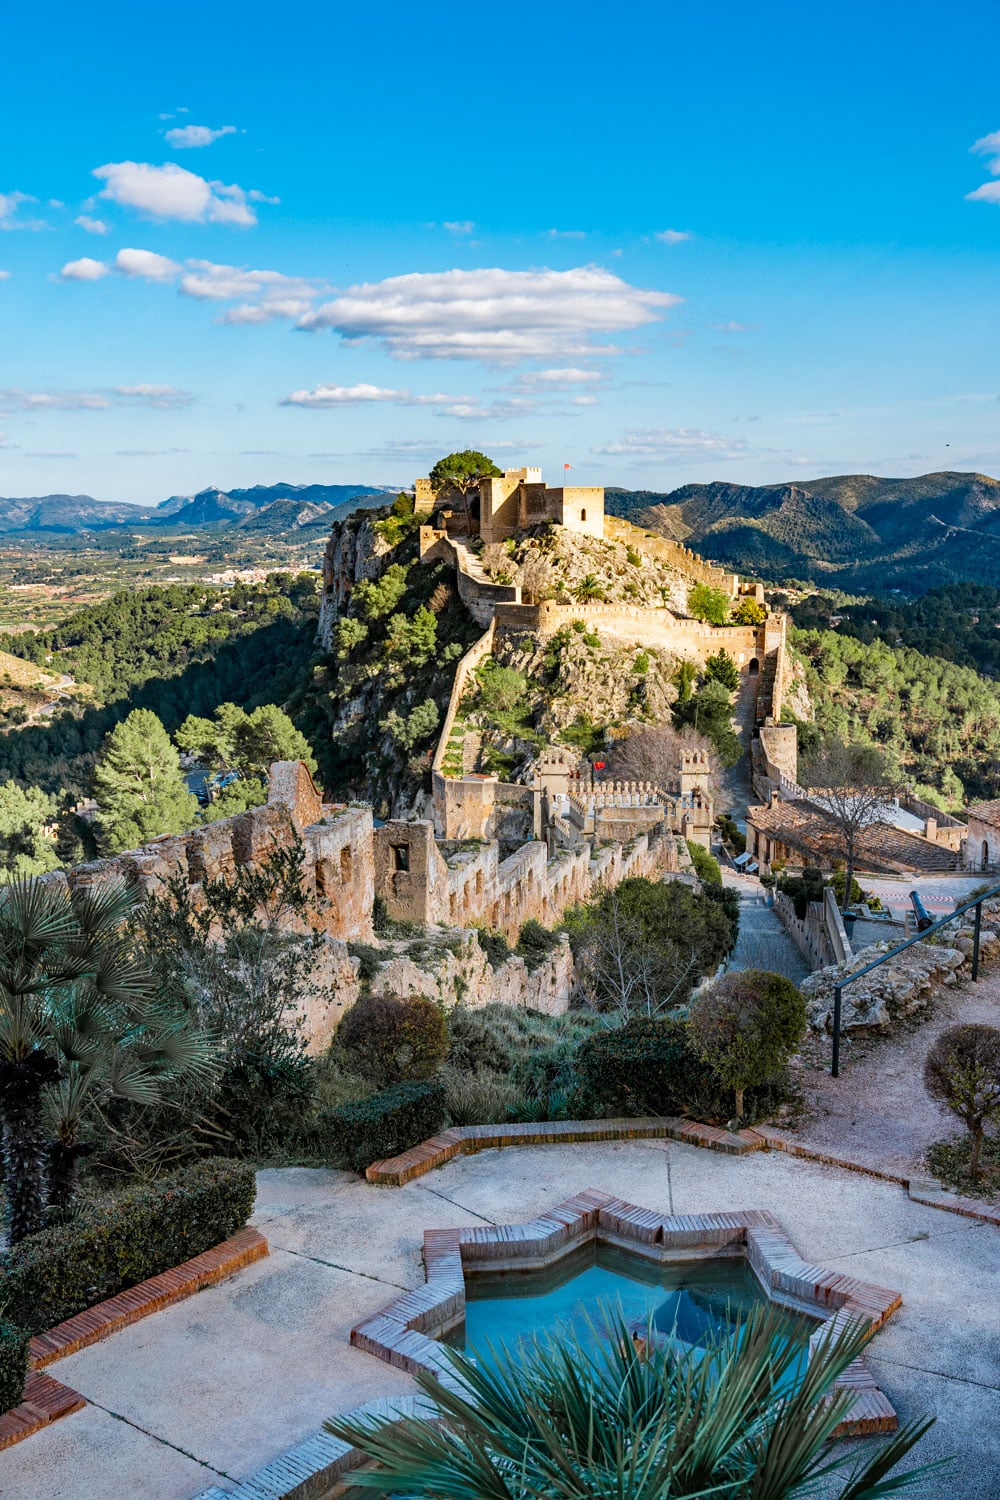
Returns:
(264, 507)
(854, 531)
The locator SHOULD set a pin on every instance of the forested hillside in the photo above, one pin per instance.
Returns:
(940, 721)
(960, 622)
(858, 531)
(177, 651)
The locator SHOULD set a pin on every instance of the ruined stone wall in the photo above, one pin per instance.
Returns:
(338, 870)
(635, 624)
(467, 885)
(467, 977)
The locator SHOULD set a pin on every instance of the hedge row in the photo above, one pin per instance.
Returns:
(650, 1067)
(109, 1247)
(13, 1364)
(384, 1124)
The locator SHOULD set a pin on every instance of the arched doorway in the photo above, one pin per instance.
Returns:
(986, 854)
(754, 668)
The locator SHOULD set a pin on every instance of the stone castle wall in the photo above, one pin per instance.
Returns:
(469, 885)
(674, 554)
(338, 870)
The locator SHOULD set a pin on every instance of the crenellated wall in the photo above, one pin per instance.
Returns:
(465, 884)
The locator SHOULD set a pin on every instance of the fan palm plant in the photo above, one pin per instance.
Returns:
(79, 1017)
(588, 589)
(748, 1417)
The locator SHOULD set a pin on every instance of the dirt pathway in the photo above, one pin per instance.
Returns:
(878, 1109)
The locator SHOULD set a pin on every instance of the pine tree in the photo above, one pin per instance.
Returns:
(138, 785)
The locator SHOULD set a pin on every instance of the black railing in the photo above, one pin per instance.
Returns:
(838, 990)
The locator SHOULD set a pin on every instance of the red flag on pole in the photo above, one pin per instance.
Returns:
(567, 466)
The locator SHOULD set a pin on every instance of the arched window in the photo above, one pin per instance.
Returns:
(986, 854)
(754, 667)
(583, 515)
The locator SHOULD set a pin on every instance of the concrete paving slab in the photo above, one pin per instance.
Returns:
(243, 1371)
(91, 1455)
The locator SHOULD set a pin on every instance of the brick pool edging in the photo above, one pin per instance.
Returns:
(405, 1333)
(46, 1400)
(467, 1140)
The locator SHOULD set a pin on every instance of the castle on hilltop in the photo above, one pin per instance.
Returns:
(519, 499)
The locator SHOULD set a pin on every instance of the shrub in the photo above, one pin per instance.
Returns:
(722, 668)
(53, 1275)
(962, 1072)
(707, 603)
(473, 1044)
(264, 1098)
(483, 1098)
(749, 612)
(651, 1067)
(535, 943)
(394, 1038)
(706, 865)
(494, 945)
(13, 1364)
(746, 1027)
(384, 1124)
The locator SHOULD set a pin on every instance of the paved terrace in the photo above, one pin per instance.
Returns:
(207, 1391)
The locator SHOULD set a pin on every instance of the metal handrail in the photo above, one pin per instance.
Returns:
(838, 989)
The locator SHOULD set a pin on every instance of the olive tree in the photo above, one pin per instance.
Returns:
(746, 1027)
(962, 1072)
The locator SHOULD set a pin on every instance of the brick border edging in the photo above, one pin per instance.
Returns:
(46, 1400)
(406, 1332)
(467, 1140)
(43, 1401)
(147, 1297)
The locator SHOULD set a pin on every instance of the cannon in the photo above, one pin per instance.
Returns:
(923, 916)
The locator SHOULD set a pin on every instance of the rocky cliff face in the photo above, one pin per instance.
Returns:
(354, 552)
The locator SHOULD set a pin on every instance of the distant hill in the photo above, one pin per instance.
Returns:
(855, 531)
(286, 507)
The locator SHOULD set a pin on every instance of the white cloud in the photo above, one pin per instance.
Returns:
(4, 275)
(160, 397)
(493, 315)
(10, 203)
(146, 265)
(222, 283)
(583, 401)
(732, 327)
(172, 192)
(92, 226)
(988, 146)
(183, 137)
(84, 269)
(362, 394)
(675, 442)
(673, 236)
(458, 226)
(6, 441)
(265, 312)
(559, 379)
(566, 234)
(988, 193)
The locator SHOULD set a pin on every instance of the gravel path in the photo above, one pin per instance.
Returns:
(878, 1110)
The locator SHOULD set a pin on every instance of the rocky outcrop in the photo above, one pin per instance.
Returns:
(903, 986)
(452, 968)
(355, 551)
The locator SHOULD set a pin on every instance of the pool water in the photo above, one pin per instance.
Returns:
(694, 1301)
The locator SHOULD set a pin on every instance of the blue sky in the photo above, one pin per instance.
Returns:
(661, 243)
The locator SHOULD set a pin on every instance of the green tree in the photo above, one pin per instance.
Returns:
(408, 730)
(461, 473)
(588, 589)
(139, 786)
(248, 742)
(376, 598)
(649, 1418)
(348, 634)
(26, 845)
(749, 612)
(710, 712)
(411, 640)
(722, 668)
(962, 1071)
(746, 1027)
(708, 603)
(80, 1019)
(642, 946)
